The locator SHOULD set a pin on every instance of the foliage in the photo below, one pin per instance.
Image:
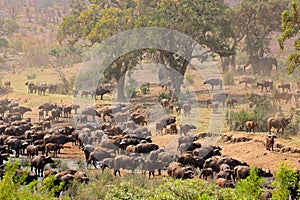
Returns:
(48, 186)
(286, 180)
(189, 78)
(3, 43)
(260, 100)
(97, 21)
(132, 186)
(130, 91)
(292, 129)
(249, 188)
(68, 55)
(144, 89)
(7, 27)
(13, 190)
(254, 21)
(31, 75)
(228, 78)
(164, 95)
(290, 25)
(236, 119)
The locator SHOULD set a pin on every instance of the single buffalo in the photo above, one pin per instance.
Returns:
(278, 123)
(250, 125)
(39, 162)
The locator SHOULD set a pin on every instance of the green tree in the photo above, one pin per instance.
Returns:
(7, 27)
(285, 181)
(291, 26)
(255, 20)
(203, 21)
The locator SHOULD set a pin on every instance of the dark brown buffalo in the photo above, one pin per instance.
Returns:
(39, 162)
(58, 139)
(139, 119)
(31, 151)
(242, 172)
(285, 86)
(145, 148)
(214, 81)
(27, 177)
(100, 92)
(206, 172)
(53, 147)
(182, 172)
(270, 142)
(230, 102)
(14, 144)
(278, 123)
(151, 166)
(268, 85)
(172, 166)
(250, 125)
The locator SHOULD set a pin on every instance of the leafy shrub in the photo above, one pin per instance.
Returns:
(13, 189)
(164, 95)
(31, 76)
(228, 78)
(236, 119)
(190, 79)
(130, 91)
(262, 101)
(285, 182)
(144, 89)
(249, 188)
(293, 128)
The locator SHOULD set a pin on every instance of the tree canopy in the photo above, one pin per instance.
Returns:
(255, 20)
(203, 21)
(291, 27)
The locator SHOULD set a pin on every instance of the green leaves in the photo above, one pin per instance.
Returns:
(285, 181)
(291, 25)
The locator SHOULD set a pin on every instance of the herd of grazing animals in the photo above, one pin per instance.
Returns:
(123, 142)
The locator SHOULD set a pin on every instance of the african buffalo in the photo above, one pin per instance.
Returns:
(185, 128)
(186, 139)
(100, 92)
(206, 172)
(39, 162)
(278, 123)
(250, 125)
(242, 172)
(270, 142)
(126, 162)
(214, 81)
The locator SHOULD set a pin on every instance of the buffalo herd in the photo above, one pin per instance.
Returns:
(121, 138)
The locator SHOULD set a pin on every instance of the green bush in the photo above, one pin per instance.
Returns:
(164, 95)
(31, 76)
(228, 78)
(190, 79)
(144, 89)
(135, 186)
(285, 181)
(262, 101)
(130, 91)
(236, 119)
(249, 188)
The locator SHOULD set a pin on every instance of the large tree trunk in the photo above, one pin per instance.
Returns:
(120, 86)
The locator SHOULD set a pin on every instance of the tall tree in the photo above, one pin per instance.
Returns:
(202, 20)
(255, 20)
(291, 28)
